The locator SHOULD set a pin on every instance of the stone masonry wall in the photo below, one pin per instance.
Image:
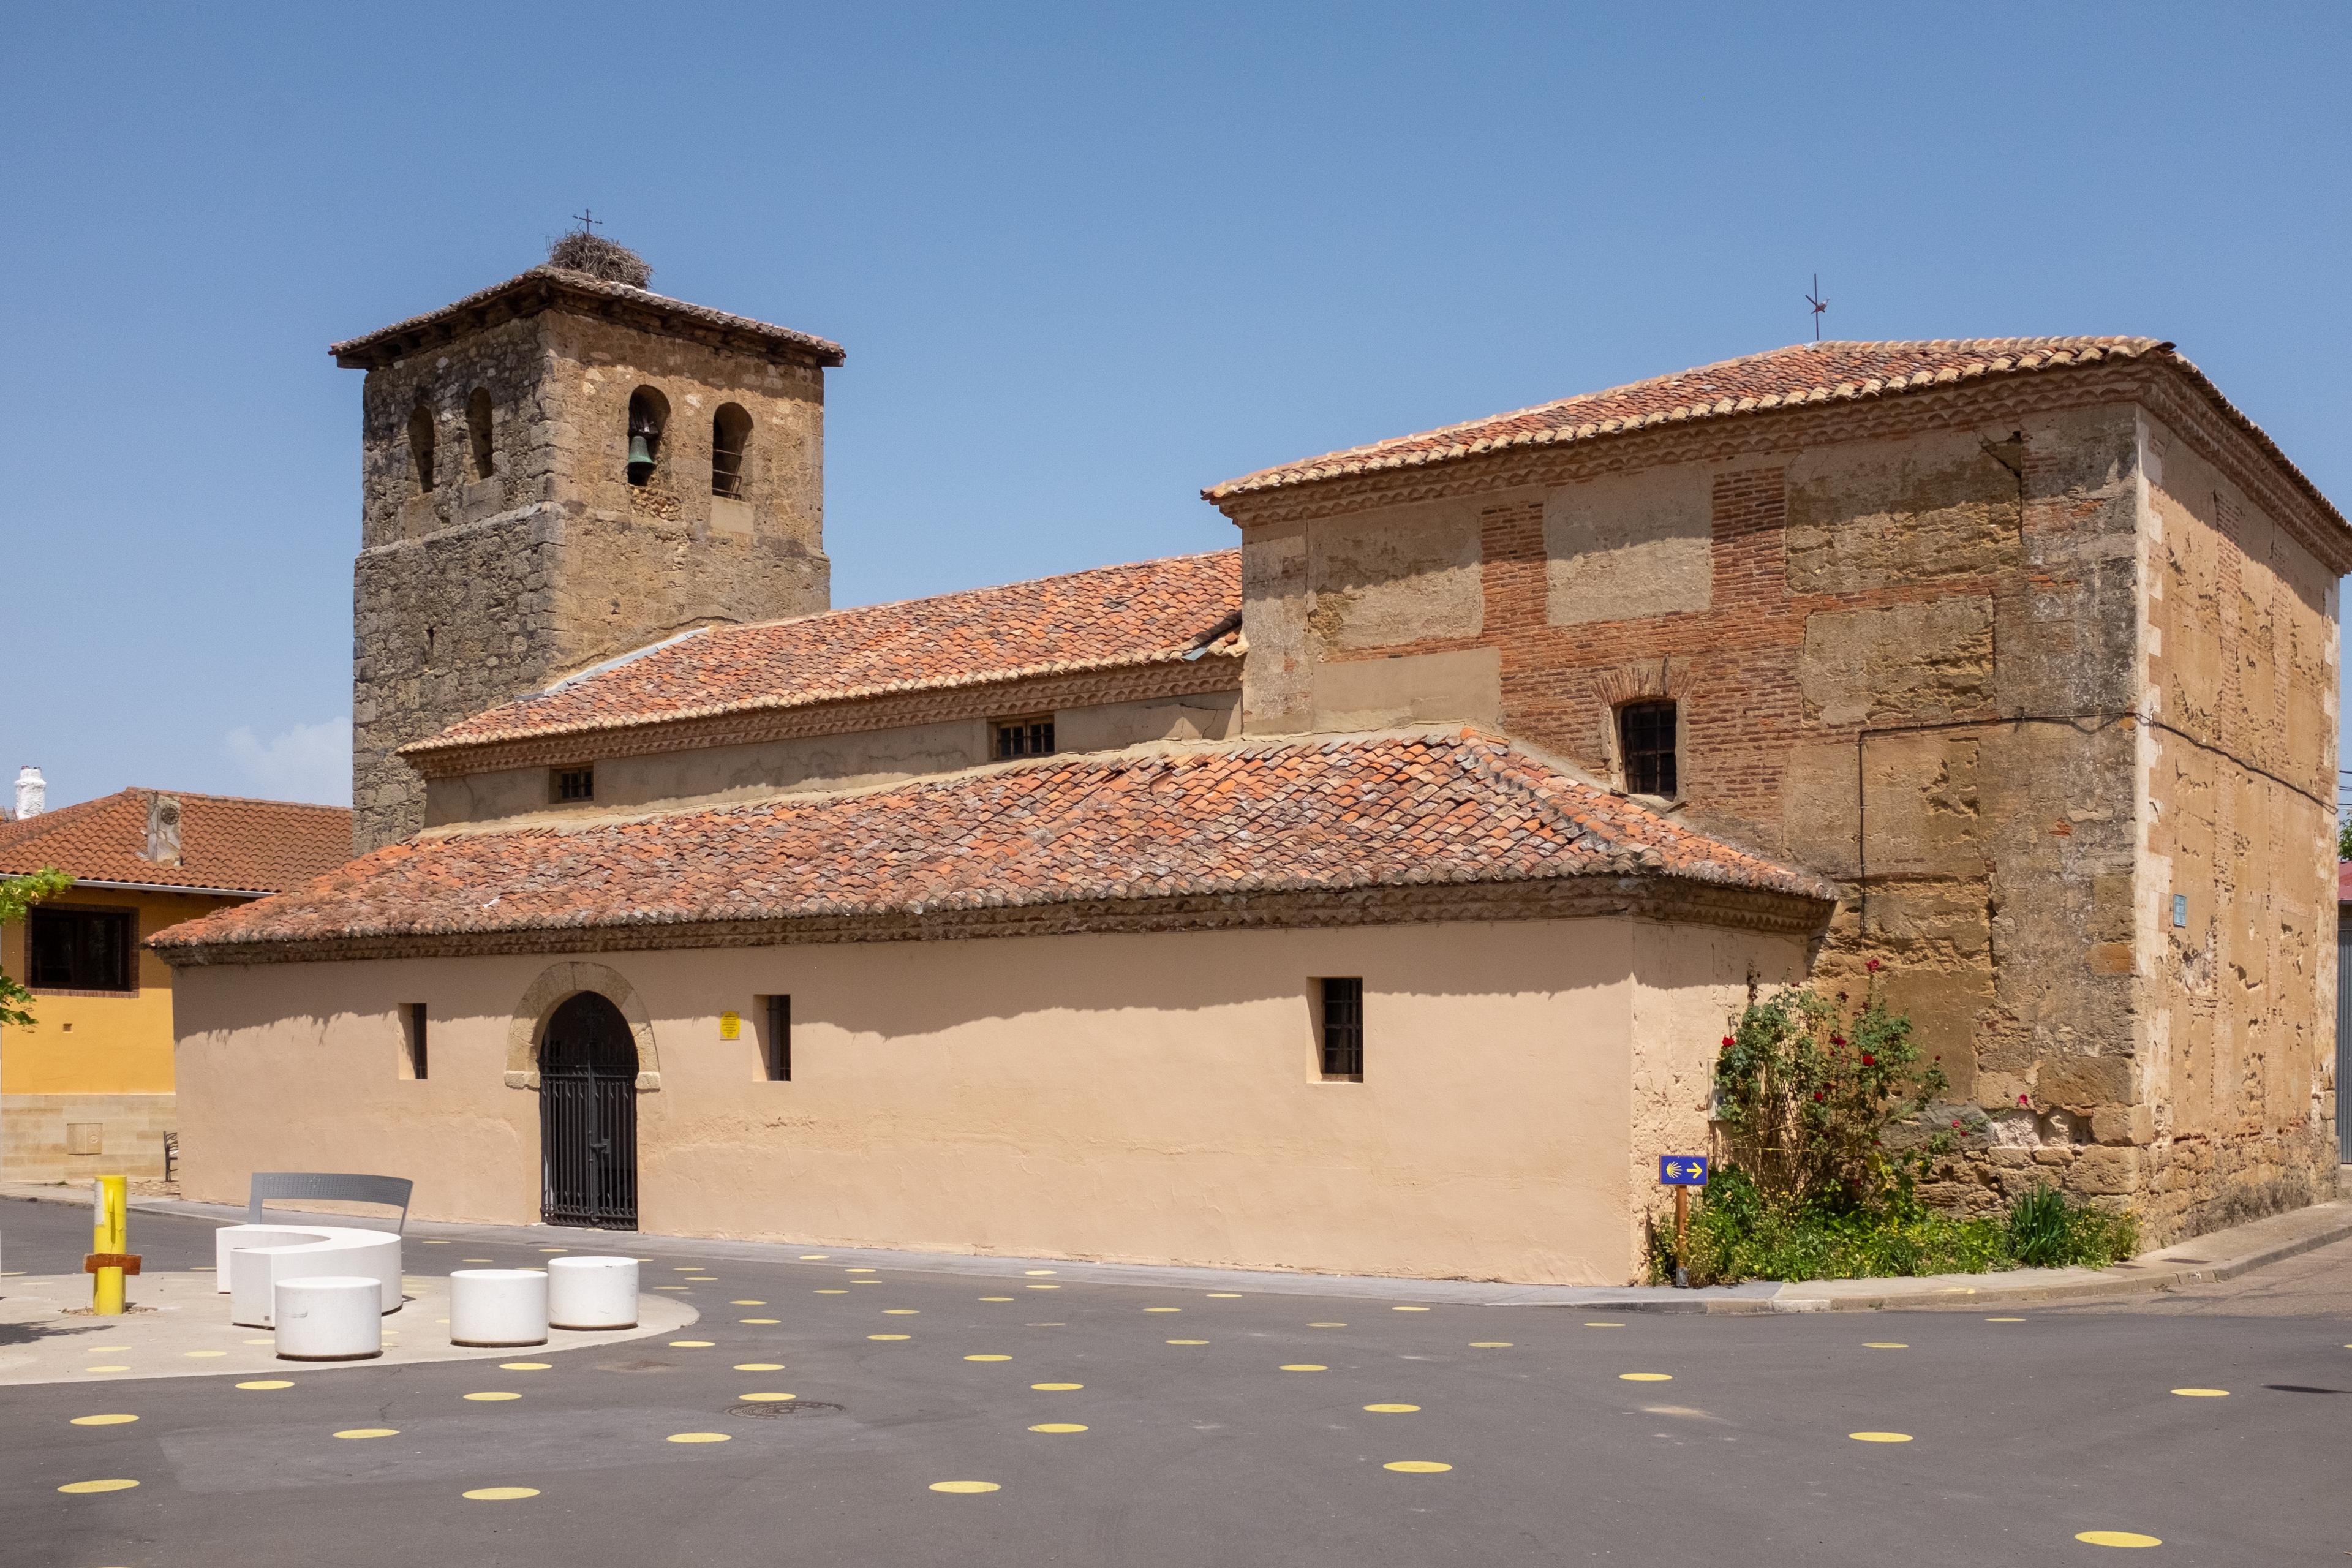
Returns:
(1912, 662)
(486, 586)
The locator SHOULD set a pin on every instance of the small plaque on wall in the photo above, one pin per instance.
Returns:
(731, 1025)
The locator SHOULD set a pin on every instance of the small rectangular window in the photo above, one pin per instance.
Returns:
(574, 783)
(775, 1016)
(1645, 736)
(1024, 738)
(412, 1040)
(81, 950)
(1341, 1006)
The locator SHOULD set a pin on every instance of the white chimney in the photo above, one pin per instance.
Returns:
(32, 792)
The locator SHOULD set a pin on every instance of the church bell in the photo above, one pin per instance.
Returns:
(641, 459)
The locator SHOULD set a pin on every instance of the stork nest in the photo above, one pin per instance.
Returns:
(600, 257)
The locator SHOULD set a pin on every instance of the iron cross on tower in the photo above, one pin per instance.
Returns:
(589, 223)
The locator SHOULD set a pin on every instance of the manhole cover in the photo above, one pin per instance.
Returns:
(770, 1409)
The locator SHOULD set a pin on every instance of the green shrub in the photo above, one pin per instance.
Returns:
(1808, 1091)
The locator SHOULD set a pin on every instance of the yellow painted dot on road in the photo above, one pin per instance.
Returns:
(996, 1297)
(814, 1256)
(965, 1487)
(988, 1358)
(890, 1336)
(110, 1367)
(477, 1260)
(702, 1278)
(759, 1366)
(746, 1303)
(555, 1249)
(858, 1268)
(369, 1432)
(1058, 1427)
(274, 1341)
(2004, 1320)
(266, 1382)
(1604, 1325)
(1327, 1325)
(102, 1420)
(1041, 1271)
(1880, 1437)
(1884, 1346)
(1392, 1409)
(759, 1319)
(113, 1485)
(492, 1396)
(1188, 1342)
(1490, 1344)
(687, 1269)
(499, 1494)
(1163, 1309)
(1408, 1309)
(1645, 1377)
(437, 1241)
(1055, 1387)
(1417, 1467)
(526, 1366)
(1304, 1367)
(203, 1353)
(1225, 1294)
(902, 1311)
(837, 1291)
(1043, 1287)
(766, 1398)
(692, 1345)
(2116, 1538)
(673, 1286)
(2202, 1392)
(699, 1437)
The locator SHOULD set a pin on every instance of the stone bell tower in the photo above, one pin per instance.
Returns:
(557, 470)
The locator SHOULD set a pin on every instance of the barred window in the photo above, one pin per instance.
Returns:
(776, 1040)
(574, 783)
(730, 437)
(1645, 739)
(1024, 738)
(1342, 1009)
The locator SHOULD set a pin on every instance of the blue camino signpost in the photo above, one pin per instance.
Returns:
(1682, 1173)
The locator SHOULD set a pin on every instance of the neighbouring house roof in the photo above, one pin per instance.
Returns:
(2344, 881)
(227, 844)
(1380, 827)
(1150, 611)
(1792, 377)
(547, 288)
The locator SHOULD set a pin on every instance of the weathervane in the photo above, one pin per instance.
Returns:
(1818, 305)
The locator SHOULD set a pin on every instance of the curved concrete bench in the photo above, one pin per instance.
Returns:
(250, 1259)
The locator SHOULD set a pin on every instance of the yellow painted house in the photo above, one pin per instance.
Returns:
(88, 1087)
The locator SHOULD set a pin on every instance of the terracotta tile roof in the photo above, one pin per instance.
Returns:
(1150, 611)
(528, 293)
(1413, 811)
(2344, 881)
(1800, 375)
(226, 842)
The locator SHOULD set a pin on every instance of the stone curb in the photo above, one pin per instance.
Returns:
(2216, 1256)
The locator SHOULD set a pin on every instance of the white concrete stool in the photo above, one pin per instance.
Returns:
(592, 1292)
(329, 1317)
(498, 1307)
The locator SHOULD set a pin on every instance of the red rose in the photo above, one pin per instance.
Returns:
(1872, 966)
(1726, 1042)
(1817, 1095)
(1868, 1060)
(1837, 1039)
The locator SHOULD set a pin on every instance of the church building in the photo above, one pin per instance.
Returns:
(1369, 897)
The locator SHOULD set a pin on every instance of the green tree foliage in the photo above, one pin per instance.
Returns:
(19, 894)
(2344, 838)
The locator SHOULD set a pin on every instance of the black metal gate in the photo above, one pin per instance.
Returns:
(588, 1116)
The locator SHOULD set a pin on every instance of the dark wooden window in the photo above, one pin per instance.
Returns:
(776, 1043)
(411, 1037)
(1342, 1008)
(1024, 738)
(478, 433)
(574, 783)
(81, 950)
(730, 437)
(1645, 736)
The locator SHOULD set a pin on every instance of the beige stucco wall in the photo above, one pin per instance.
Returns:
(1133, 1097)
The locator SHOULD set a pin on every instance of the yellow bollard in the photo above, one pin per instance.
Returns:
(109, 1238)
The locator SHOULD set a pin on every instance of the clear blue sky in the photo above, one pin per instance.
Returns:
(1084, 260)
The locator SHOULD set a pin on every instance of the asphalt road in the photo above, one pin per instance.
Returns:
(2025, 1427)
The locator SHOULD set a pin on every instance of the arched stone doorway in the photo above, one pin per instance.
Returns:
(588, 1116)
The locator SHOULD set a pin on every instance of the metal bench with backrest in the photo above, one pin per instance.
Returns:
(327, 1186)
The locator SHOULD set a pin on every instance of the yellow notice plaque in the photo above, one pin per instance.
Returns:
(731, 1025)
